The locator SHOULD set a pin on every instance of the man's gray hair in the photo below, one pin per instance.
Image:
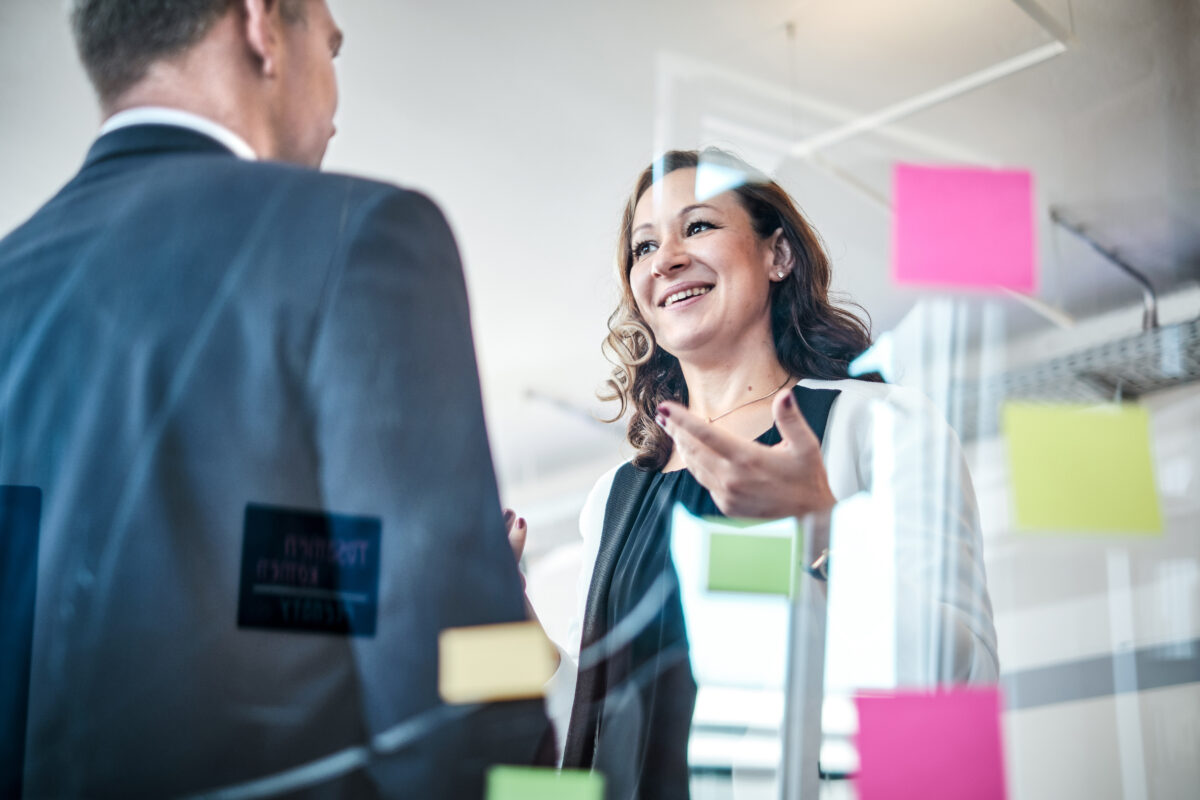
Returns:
(118, 40)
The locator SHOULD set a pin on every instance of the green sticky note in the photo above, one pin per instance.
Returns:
(750, 562)
(1082, 468)
(543, 783)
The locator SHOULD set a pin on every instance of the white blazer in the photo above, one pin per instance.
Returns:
(888, 447)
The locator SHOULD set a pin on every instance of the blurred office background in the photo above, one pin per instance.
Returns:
(528, 122)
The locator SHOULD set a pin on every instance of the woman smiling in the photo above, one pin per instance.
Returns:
(731, 363)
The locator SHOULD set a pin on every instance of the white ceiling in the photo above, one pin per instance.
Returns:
(528, 122)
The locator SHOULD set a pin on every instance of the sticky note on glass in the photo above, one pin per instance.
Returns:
(1082, 468)
(917, 746)
(750, 561)
(963, 227)
(543, 783)
(494, 662)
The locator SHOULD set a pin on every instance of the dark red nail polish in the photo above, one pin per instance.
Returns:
(663, 411)
(789, 402)
(521, 522)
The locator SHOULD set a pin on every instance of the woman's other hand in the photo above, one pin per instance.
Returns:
(517, 531)
(745, 478)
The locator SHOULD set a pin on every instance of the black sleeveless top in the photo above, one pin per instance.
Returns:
(633, 710)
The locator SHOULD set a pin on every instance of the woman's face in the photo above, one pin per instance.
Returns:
(701, 275)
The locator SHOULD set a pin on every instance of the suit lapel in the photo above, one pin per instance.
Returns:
(624, 501)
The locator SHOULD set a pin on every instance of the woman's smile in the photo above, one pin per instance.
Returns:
(684, 295)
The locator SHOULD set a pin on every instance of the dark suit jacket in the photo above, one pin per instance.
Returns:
(184, 334)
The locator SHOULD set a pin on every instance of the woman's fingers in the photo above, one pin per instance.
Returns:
(724, 464)
(517, 531)
(747, 478)
(804, 448)
(707, 452)
(791, 424)
(676, 418)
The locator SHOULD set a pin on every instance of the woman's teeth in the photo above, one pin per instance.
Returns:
(685, 294)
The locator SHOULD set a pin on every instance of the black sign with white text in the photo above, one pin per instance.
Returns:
(309, 571)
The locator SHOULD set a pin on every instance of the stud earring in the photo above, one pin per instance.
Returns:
(781, 274)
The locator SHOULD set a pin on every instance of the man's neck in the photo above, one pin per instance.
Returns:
(229, 114)
(161, 115)
(210, 82)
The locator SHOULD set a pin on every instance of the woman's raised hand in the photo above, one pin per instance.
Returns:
(746, 478)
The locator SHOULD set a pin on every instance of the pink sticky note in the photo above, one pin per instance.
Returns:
(963, 227)
(943, 746)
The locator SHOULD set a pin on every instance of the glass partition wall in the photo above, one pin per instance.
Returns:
(1004, 602)
(1059, 505)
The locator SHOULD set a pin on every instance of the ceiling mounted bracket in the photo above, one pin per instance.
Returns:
(1047, 22)
(1149, 296)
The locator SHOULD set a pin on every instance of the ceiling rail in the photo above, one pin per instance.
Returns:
(1149, 296)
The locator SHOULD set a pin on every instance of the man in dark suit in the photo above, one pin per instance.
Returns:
(247, 393)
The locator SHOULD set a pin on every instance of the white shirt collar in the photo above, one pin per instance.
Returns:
(157, 115)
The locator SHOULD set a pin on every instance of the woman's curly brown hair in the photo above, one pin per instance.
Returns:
(813, 338)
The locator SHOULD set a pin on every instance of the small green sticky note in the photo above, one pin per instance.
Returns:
(1082, 468)
(748, 562)
(543, 783)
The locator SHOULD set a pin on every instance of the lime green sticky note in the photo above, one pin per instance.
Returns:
(543, 783)
(1082, 468)
(750, 562)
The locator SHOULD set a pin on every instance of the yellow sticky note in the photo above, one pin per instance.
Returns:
(1082, 468)
(494, 662)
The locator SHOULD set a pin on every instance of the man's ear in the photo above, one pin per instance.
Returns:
(258, 19)
(782, 257)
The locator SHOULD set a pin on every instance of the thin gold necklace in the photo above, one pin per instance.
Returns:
(751, 402)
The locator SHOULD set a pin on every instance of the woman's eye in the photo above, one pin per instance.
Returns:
(642, 249)
(698, 226)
